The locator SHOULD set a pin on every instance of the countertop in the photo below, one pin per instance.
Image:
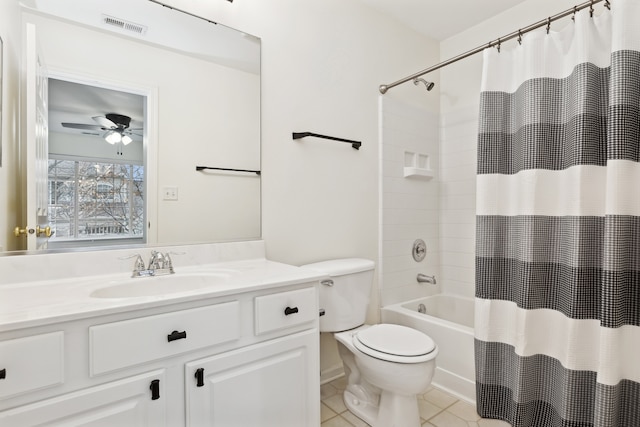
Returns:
(36, 303)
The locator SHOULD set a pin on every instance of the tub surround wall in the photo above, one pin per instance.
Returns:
(409, 205)
(457, 200)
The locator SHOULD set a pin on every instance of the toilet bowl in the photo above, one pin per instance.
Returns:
(386, 365)
(383, 380)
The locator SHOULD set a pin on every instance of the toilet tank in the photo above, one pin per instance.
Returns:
(344, 297)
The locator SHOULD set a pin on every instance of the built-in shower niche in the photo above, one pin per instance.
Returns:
(417, 165)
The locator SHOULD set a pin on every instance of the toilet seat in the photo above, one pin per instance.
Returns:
(395, 343)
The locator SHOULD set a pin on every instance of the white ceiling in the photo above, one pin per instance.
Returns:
(441, 19)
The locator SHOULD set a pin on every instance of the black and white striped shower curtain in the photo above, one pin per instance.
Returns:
(558, 226)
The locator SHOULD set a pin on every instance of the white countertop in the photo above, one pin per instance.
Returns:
(37, 303)
(40, 302)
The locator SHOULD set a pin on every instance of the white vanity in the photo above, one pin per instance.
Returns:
(82, 343)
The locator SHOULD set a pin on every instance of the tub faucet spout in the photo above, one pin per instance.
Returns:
(423, 278)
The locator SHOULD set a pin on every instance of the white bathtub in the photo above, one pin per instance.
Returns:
(449, 322)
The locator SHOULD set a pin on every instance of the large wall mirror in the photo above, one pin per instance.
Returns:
(140, 95)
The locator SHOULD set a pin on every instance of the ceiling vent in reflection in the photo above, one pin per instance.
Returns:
(123, 24)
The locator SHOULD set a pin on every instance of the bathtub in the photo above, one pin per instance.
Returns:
(449, 322)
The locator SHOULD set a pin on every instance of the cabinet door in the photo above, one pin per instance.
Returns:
(131, 402)
(271, 384)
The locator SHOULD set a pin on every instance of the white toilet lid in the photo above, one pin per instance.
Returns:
(395, 343)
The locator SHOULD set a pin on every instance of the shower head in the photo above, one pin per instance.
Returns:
(428, 85)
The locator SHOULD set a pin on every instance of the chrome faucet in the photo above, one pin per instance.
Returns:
(159, 264)
(423, 278)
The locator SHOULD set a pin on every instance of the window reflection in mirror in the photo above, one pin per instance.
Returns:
(93, 201)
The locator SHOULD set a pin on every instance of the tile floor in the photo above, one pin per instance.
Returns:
(437, 409)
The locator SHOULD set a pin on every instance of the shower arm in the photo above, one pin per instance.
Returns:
(516, 34)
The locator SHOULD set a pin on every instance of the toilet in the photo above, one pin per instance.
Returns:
(386, 365)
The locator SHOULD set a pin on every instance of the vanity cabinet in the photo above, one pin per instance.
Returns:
(31, 363)
(134, 401)
(268, 384)
(249, 359)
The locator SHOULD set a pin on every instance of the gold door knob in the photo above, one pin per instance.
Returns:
(22, 231)
(46, 231)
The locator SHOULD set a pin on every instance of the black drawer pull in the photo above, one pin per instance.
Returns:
(155, 389)
(199, 377)
(289, 310)
(175, 335)
(3, 374)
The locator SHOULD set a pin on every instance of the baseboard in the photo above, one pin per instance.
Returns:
(331, 374)
(460, 387)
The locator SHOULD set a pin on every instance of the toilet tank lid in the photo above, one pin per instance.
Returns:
(339, 267)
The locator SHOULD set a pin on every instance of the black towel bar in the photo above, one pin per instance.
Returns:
(200, 168)
(354, 144)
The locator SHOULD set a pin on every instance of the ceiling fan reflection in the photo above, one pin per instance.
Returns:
(115, 126)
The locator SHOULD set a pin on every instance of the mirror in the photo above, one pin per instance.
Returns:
(196, 89)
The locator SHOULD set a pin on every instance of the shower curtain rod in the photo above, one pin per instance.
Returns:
(516, 34)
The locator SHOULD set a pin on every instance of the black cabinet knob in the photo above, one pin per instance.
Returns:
(3, 374)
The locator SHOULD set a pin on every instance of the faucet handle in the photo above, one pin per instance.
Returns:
(138, 264)
(156, 261)
(167, 262)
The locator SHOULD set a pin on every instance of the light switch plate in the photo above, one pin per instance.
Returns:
(170, 193)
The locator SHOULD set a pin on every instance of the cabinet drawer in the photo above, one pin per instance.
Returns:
(130, 342)
(285, 309)
(31, 363)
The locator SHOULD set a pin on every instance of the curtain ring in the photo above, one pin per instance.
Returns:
(591, 9)
(520, 36)
(575, 10)
(499, 44)
(548, 24)
(607, 4)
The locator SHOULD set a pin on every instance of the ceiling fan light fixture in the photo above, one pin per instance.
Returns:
(126, 139)
(113, 137)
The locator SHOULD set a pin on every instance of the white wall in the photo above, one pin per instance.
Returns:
(10, 200)
(460, 95)
(409, 205)
(322, 63)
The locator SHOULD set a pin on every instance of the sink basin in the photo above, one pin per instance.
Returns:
(160, 285)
